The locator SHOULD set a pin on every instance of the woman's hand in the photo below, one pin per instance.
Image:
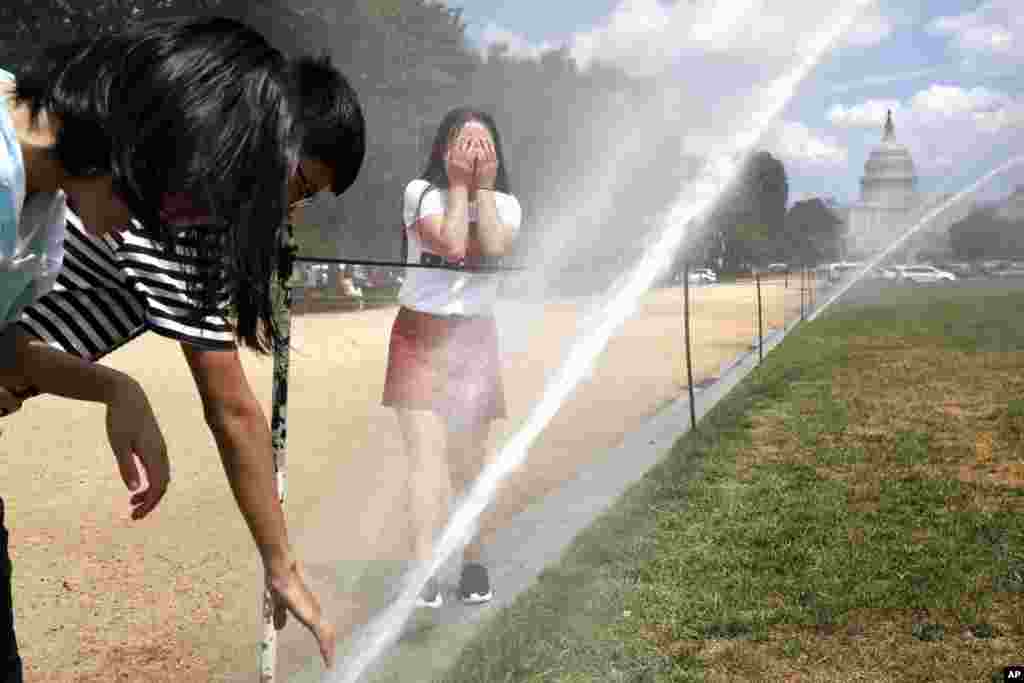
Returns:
(485, 158)
(292, 595)
(485, 164)
(459, 162)
(138, 445)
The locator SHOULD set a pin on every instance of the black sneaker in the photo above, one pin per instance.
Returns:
(430, 596)
(474, 586)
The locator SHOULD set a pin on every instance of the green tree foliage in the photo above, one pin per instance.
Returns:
(748, 227)
(985, 236)
(407, 60)
(25, 25)
(814, 234)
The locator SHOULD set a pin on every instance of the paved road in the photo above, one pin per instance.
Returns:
(876, 291)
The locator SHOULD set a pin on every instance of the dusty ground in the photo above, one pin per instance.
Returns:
(177, 597)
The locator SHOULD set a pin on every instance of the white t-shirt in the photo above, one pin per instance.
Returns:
(31, 229)
(448, 292)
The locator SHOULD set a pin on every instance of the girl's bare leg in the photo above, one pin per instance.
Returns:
(467, 454)
(428, 484)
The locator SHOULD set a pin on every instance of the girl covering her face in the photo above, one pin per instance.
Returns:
(443, 376)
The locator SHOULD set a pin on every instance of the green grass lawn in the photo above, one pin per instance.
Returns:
(852, 511)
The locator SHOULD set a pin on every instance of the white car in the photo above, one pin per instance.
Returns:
(925, 274)
(842, 270)
(703, 276)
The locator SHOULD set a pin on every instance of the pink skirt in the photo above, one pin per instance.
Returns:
(445, 364)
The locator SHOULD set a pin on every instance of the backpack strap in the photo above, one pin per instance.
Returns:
(416, 217)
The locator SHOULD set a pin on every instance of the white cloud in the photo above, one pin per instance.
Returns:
(519, 46)
(995, 28)
(645, 36)
(939, 104)
(941, 123)
(883, 79)
(872, 28)
(867, 114)
(945, 101)
(794, 142)
(641, 36)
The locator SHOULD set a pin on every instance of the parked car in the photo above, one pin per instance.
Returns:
(959, 269)
(703, 276)
(925, 275)
(778, 268)
(1009, 270)
(314, 275)
(989, 267)
(838, 271)
(376, 277)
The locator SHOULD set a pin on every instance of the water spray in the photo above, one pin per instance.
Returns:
(717, 174)
(925, 220)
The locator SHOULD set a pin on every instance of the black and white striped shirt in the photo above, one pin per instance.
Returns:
(114, 288)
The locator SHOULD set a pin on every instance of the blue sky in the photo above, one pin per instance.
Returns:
(950, 69)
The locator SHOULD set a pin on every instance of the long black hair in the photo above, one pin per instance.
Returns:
(194, 107)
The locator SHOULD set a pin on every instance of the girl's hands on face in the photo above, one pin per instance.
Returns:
(486, 166)
(485, 158)
(459, 161)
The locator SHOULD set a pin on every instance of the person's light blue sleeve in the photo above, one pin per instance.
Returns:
(15, 279)
(12, 178)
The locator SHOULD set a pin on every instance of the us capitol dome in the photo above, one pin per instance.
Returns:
(889, 178)
(890, 204)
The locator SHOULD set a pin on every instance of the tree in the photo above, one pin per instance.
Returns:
(748, 225)
(814, 232)
(983, 235)
(27, 24)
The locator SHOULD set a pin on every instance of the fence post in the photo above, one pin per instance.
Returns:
(279, 432)
(686, 336)
(814, 287)
(803, 289)
(760, 321)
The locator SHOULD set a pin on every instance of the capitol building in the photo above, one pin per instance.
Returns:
(890, 204)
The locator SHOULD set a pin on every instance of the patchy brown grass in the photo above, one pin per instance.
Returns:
(890, 388)
(872, 645)
(958, 399)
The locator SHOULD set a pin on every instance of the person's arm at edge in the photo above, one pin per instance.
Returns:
(132, 429)
(240, 428)
(26, 363)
